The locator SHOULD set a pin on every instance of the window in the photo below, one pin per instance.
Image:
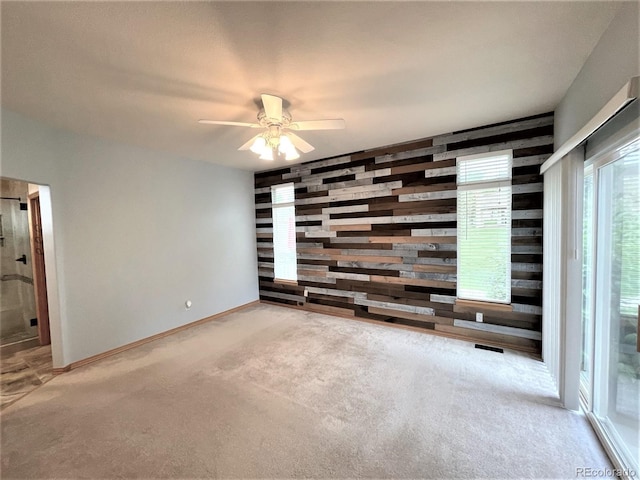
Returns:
(484, 227)
(284, 232)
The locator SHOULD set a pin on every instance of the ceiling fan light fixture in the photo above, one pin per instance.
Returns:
(285, 144)
(258, 145)
(266, 154)
(292, 155)
(287, 149)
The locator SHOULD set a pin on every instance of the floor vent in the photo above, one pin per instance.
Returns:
(492, 349)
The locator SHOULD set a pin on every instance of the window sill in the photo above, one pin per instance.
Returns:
(285, 282)
(477, 304)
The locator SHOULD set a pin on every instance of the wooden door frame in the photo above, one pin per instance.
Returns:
(39, 271)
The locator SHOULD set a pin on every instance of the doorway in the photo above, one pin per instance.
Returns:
(610, 373)
(24, 317)
(18, 317)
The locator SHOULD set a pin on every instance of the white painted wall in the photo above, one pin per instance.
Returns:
(614, 60)
(136, 234)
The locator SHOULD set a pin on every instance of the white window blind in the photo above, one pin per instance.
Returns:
(484, 227)
(284, 232)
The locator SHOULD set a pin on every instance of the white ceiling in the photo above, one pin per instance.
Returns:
(143, 73)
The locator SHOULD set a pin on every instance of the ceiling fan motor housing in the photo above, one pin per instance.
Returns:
(266, 121)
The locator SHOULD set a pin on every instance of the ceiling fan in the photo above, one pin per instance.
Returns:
(277, 137)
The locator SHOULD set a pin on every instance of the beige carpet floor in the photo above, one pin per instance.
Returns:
(271, 392)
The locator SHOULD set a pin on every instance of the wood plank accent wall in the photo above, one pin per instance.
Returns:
(376, 235)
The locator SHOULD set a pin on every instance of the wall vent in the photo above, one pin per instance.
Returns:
(492, 349)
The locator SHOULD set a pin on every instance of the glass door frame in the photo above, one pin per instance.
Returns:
(588, 396)
(586, 382)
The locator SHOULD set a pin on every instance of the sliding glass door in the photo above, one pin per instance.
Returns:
(611, 300)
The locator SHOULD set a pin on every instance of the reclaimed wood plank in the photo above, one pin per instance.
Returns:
(398, 147)
(413, 239)
(493, 131)
(435, 268)
(336, 185)
(445, 277)
(319, 234)
(347, 209)
(414, 197)
(305, 168)
(283, 296)
(450, 299)
(529, 160)
(413, 281)
(523, 308)
(349, 276)
(311, 273)
(362, 256)
(375, 187)
(499, 338)
(530, 188)
(344, 197)
(316, 279)
(526, 214)
(335, 292)
(472, 306)
(487, 327)
(394, 306)
(432, 187)
(440, 172)
(416, 167)
(412, 316)
(436, 217)
(381, 172)
(363, 227)
(434, 232)
(495, 147)
(420, 152)
(320, 308)
(375, 265)
(435, 261)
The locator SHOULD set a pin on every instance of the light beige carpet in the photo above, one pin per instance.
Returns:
(279, 393)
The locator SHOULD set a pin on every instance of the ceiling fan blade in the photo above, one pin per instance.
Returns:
(272, 106)
(299, 143)
(333, 124)
(233, 124)
(247, 145)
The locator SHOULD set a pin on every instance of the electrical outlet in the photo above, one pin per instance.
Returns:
(479, 317)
